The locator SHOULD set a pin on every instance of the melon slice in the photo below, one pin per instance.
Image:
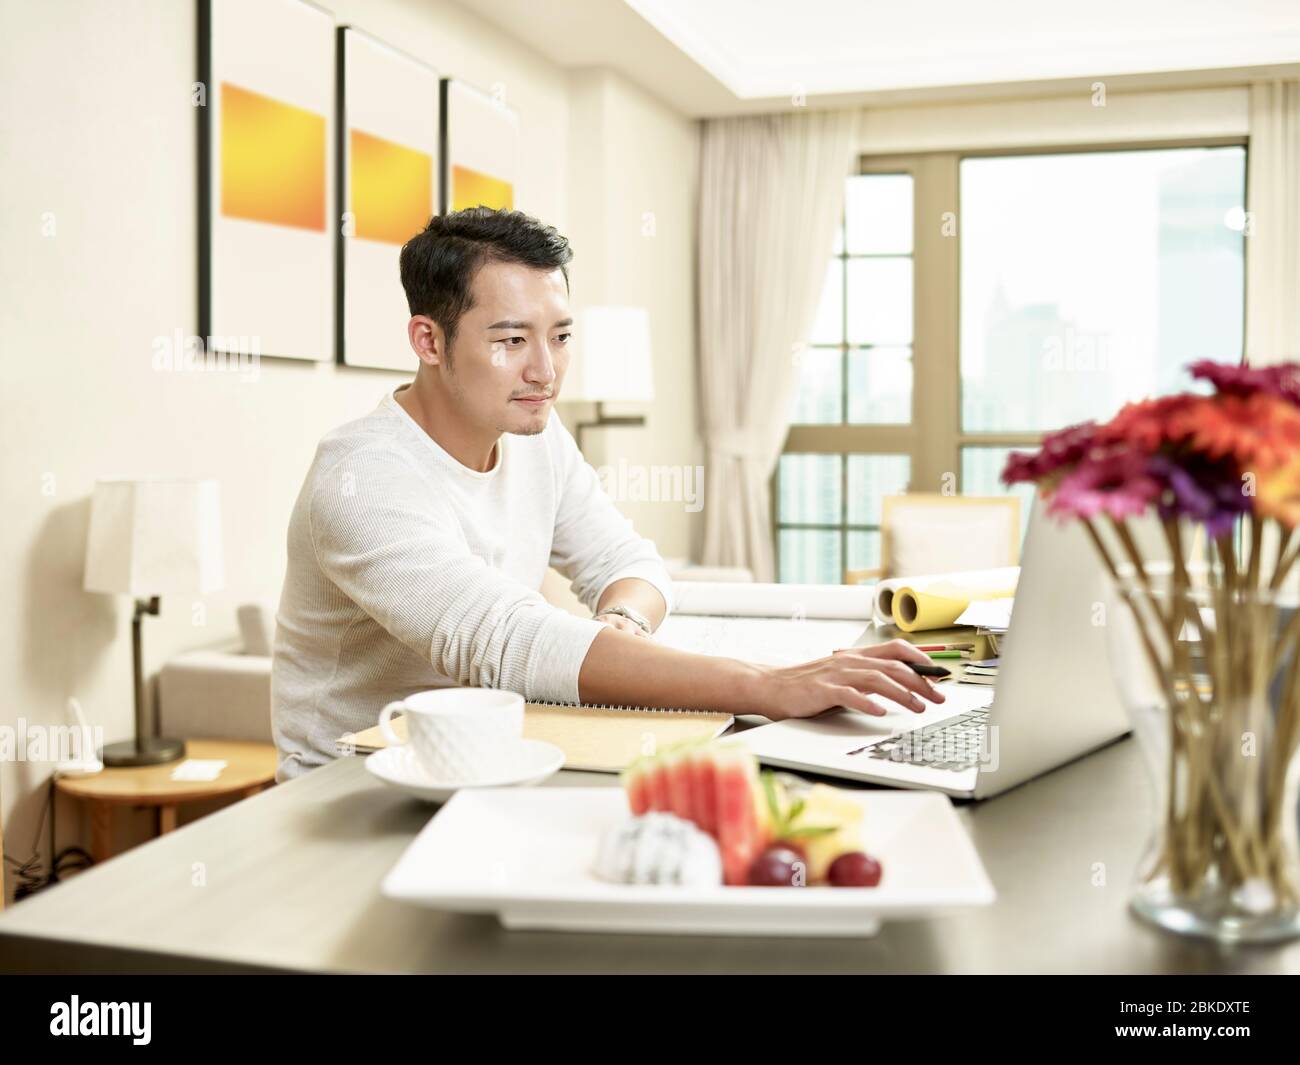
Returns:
(657, 784)
(636, 785)
(703, 773)
(681, 792)
(829, 807)
(743, 823)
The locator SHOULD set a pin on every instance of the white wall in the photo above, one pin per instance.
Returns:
(634, 170)
(104, 145)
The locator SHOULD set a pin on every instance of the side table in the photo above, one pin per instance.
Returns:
(250, 767)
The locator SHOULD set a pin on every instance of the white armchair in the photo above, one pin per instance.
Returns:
(225, 693)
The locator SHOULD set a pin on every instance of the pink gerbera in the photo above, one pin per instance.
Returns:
(1120, 485)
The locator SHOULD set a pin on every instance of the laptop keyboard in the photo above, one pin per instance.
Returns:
(955, 744)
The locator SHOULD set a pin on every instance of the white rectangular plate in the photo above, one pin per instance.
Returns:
(525, 854)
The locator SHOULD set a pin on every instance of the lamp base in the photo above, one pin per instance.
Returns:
(147, 750)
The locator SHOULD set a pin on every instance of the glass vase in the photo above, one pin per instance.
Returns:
(1209, 677)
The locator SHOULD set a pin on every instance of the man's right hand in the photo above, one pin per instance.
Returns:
(847, 678)
(632, 671)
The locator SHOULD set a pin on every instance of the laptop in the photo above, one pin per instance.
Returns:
(1054, 699)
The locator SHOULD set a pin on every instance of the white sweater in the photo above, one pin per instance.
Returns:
(409, 571)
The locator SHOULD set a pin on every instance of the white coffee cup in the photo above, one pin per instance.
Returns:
(459, 735)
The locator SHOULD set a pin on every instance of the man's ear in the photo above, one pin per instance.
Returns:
(427, 340)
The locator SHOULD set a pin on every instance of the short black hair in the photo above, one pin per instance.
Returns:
(438, 263)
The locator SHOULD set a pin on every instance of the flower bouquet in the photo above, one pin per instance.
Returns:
(1192, 502)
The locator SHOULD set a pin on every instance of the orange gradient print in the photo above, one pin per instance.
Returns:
(272, 160)
(469, 188)
(392, 188)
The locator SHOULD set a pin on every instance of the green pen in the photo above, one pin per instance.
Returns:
(946, 654)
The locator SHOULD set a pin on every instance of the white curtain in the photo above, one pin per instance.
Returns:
(771, 194)
(1273, 243)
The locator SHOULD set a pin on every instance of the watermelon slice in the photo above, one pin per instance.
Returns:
(743, 824)
(657, 784)
(636, 784)
(704, 788)
(680, 786)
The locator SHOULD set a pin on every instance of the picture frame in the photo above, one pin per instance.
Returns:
(387, 157)
(266, 176)
(480, 148)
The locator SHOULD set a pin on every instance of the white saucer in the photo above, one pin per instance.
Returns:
(535, 760)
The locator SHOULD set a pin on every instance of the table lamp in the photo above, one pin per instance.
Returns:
(150, 538)
(611, 363)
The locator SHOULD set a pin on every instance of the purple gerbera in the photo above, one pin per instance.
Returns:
(1201, 491)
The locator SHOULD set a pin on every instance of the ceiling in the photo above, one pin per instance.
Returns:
(714, 57)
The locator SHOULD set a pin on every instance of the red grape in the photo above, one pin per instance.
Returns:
(778, 867)
(854, 869)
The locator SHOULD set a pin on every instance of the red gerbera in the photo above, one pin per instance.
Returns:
(1259, 431)
(1146, 424)
(1059, 450)
(1281, 380)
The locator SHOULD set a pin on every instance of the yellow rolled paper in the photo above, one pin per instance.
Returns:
(937, 606)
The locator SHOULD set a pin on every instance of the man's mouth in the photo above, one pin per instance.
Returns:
(532, 401)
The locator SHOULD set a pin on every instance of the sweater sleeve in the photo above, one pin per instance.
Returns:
(381, 534)
(594, 544)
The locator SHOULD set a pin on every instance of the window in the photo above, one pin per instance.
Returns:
(857, 368)
(1093, 278)
(1019, 293)
(981, 472)
(828, 513)
(855, 371)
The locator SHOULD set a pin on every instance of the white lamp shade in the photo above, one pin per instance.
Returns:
(611, 358)
(152, 538)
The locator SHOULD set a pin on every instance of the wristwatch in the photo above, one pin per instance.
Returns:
(630, 614)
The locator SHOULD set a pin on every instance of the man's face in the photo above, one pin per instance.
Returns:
(511, 348)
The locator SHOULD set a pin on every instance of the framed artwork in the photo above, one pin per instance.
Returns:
(266, 177)
(387, 158)
(480, 147)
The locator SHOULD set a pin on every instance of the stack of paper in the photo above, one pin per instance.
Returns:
(982, 672)
(991, 614)
(991, 618)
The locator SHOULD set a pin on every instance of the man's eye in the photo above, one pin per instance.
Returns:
(563, 338)
(514, 342)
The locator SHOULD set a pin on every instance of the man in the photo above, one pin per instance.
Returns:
(424, 529)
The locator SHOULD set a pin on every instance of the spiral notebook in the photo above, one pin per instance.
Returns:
(602, 739)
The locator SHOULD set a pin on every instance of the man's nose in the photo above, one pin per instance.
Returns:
(540, 369)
